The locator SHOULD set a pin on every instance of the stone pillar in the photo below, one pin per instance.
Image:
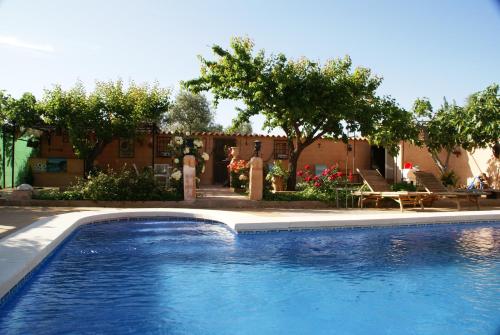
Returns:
(189, 172)
(256, 184)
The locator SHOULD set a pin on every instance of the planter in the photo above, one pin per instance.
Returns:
(278, 183)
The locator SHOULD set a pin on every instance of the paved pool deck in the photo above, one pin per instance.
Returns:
(14, 218)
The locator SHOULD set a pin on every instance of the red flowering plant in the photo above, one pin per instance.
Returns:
(238, 172)
(326, 182)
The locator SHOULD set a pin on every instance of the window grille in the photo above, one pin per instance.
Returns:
(163, 146)
(280, 150)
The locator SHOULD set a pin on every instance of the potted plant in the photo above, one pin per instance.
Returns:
(238, 180)
(277, 175)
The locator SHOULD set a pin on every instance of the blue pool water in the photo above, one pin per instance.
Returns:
(182, 277)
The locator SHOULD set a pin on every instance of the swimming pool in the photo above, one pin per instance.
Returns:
(190, 277)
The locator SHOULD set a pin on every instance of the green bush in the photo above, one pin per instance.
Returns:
(403, 186)
(312, 194)
(125, 185)
(449, 178)
(330, 186)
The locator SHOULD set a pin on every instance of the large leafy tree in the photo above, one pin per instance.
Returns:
(191, 112)
(112, 110)
(474, 125)
(482, 115)
(305, 99)
(18, 114)
(244, 128)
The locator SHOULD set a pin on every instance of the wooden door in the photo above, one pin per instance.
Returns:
(221, 160)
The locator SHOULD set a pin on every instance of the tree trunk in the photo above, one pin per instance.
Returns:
(89, 160)
(294, 150)
(443, 167)
(292, 171)
(294, 154)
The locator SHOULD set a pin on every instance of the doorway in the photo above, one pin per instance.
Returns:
(221, 160)
(377, 159)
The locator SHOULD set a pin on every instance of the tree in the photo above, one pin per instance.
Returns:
(93, 120)
(17, 116)
(244, 128)
(191, 112)
(482, 115)
(303, 98)
(474, 125)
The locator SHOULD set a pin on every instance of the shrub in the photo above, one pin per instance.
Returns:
(121, 186)
(327, 182)
(309, 194)
(329, 186)
(449, 178)
(53, 194)
(403, 186)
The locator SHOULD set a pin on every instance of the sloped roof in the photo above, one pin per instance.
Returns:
(223, 134)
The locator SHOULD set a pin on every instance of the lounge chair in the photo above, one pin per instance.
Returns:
(437, 190)
(379, 188)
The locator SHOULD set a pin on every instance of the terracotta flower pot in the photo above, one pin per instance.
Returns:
(278, 183)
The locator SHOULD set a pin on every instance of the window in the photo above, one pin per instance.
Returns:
(280, 150)
(162, 146)
(319, 168)
(56, 165)
(126, 147)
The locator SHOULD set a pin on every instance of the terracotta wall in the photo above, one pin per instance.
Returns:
(74, 170)
(322, 152)
(142, 157)
(55, 146)
(466, 165)
(328, 152)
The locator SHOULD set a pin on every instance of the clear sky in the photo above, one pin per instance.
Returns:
(422, 48)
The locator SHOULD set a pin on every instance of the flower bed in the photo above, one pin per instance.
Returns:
(330, 186)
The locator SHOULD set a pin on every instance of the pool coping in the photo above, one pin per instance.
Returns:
(22, 251)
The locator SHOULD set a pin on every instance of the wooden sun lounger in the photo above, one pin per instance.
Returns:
(379, 188)
(436, 190)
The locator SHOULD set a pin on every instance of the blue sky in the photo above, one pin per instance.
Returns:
(422, 48)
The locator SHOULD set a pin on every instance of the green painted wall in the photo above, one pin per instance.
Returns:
(21, 170)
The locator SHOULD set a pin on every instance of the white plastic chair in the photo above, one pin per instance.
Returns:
(162, 172)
